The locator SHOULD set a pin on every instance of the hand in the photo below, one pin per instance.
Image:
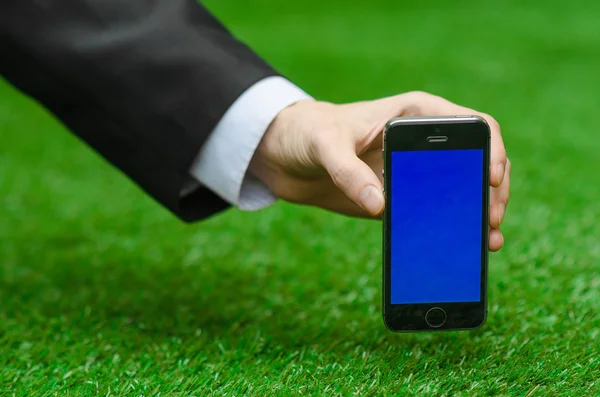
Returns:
(329, 156)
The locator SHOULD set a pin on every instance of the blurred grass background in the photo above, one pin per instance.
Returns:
(103, 292)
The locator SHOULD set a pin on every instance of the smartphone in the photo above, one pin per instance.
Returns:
(435, 229)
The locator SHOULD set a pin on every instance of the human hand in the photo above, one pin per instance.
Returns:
(329, 156)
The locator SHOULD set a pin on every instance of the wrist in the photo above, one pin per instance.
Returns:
(282, 145)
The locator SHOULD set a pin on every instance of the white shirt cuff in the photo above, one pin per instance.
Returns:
(222, 164)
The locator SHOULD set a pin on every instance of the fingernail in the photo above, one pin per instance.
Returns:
(371, 199)
(501, 209)
(500, 173)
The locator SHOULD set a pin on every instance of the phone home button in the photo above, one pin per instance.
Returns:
(435, 317)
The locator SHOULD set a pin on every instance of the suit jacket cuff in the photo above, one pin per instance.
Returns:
(222, 164)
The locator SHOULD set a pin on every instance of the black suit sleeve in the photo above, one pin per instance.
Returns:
(143, 82)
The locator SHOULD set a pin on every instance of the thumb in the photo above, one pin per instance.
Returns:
(355, 179)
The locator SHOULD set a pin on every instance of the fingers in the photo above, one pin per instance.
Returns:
(495, 214)
(499, 199)
(354, 178)
(496, 240)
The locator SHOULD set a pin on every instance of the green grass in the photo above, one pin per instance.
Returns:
(103, 292)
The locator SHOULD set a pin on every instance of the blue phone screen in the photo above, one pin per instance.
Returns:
(435, 230)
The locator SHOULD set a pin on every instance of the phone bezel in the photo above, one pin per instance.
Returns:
(408, 134)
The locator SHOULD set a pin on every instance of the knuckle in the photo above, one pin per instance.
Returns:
(421, 103)
(413, 109)
(421, 96)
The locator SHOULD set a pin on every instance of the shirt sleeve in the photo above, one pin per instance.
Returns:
(222, 164)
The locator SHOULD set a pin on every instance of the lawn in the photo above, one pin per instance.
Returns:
(103, 292)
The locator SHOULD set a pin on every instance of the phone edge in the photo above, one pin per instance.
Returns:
(433, 120)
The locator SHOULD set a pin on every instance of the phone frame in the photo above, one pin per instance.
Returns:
(409, 134)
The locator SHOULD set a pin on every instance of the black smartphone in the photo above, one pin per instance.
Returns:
(435, 229)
